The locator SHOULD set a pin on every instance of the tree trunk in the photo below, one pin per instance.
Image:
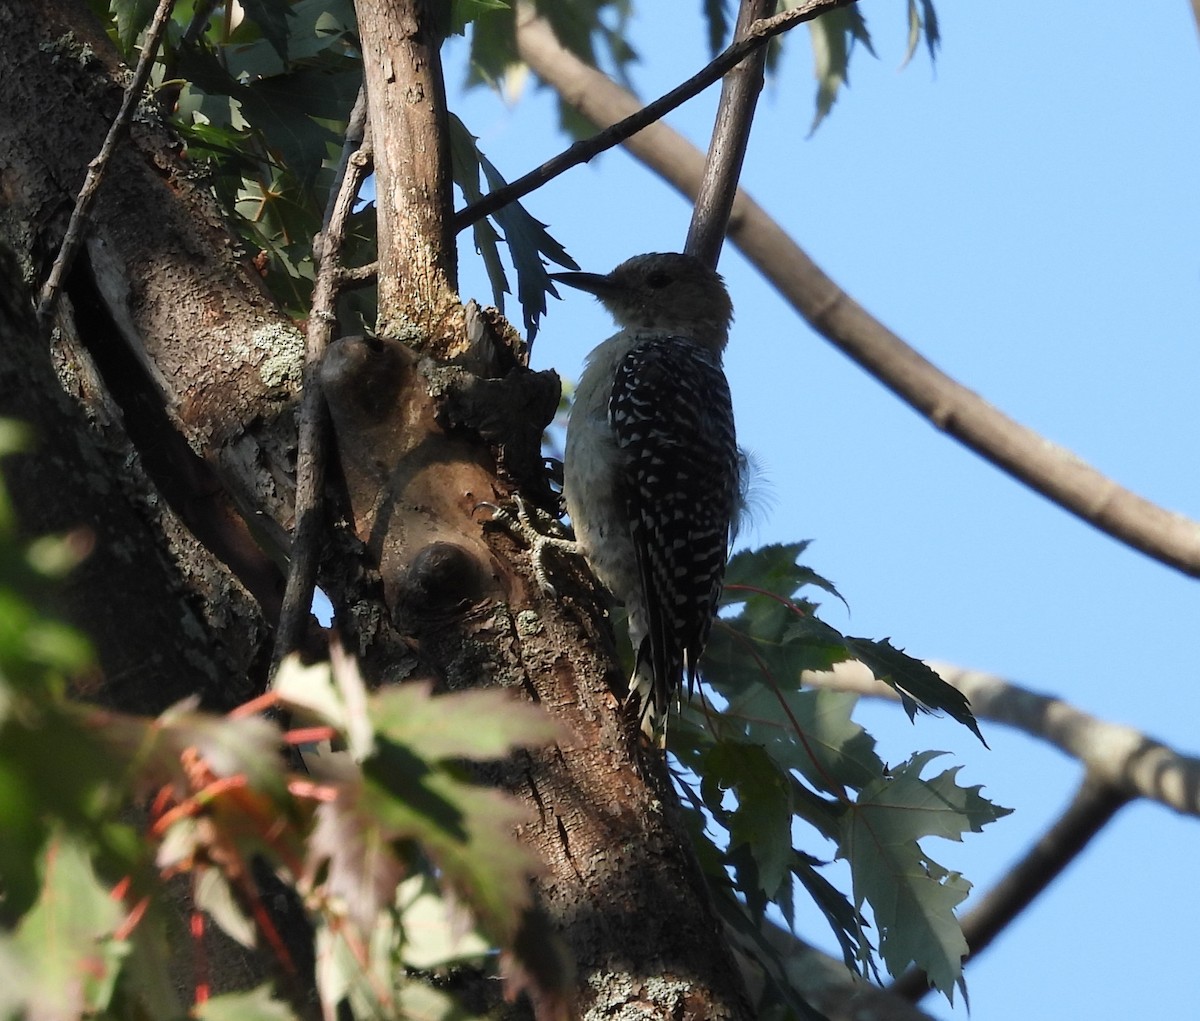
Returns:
(183, 432)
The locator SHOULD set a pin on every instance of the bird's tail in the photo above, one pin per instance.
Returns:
(651, 691)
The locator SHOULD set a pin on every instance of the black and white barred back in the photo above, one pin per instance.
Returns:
(671, 415)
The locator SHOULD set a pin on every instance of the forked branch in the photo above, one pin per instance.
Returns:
(639, 117)
(1045, 467)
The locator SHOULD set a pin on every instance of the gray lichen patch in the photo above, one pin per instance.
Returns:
(282, 350)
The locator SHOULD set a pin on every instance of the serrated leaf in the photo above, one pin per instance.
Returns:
(845, 921)
(768, 645)
(811, 732)
(254, 1005)
(247, 746)
(294, 110)
(309, 691)
(526, 237)
(833, 36)
(70, 960)
(464, 162)
(468, 831)
(478, 725)
(355, 854)
(527, 241)
(937, 807)
(762, 819)
(919, 687)
(912, 897)
(336, 697)
(773, 568)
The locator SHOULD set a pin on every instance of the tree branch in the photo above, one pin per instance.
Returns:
(757, 35)
(828, 986)
(727, 150)
(1129, 761)
(1043, 466)
(51, 290)
(313, 453)
(407, 110)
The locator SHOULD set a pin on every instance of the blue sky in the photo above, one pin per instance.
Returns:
(1025, 214)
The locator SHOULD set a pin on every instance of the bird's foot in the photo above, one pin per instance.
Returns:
(531, 525)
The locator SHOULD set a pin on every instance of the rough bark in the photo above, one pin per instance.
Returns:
(169, 286)
(166, 617)
(156, 594)
(620, 886)
(161, 409)
(211, 372)
(407, 107)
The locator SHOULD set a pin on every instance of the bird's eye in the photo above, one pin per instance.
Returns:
(658, 279)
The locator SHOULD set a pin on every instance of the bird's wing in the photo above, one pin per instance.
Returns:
(680, 484)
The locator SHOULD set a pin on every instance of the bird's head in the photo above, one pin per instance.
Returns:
(666, 291)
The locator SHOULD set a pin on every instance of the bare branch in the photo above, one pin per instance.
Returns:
(313, 453)
(406, 104)
(95, 174)
(731, 135)
(1045, 467)
(642, 117)
(1092, 808)
(359, 275)
(1129, 761)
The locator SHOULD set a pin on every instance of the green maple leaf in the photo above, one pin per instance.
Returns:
(919, 686)
(811, 732)
(912, 897)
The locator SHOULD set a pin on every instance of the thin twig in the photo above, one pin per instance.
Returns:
(581, 152)
(1045, 467)
(312, 455)
(359, 275)
(731, 135)
(95, 173)
(1093, 807)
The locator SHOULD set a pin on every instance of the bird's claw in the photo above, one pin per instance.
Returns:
(522, 525)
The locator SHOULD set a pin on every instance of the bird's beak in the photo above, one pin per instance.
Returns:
(594, 283)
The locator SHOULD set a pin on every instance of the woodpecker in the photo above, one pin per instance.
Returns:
(651, 468)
